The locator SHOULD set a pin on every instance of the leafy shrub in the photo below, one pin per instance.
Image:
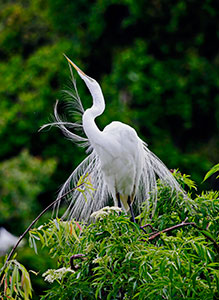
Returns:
(112, 258)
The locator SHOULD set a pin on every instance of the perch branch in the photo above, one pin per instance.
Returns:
(153, 235)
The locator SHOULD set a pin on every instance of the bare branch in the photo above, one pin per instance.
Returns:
(153, 235)
(149, 225)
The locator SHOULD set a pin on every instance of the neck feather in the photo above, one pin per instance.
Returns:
(92, 131)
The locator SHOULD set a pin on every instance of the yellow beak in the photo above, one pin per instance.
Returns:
(74, 65)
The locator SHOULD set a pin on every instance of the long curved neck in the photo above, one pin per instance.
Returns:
(92, 131)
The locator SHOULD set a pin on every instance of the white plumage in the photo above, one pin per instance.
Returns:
(119, 164)
(121, 160)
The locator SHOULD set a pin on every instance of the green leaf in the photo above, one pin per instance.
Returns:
(207, 233)
(34, 245)
(213, 170)
(72, 231)
(13, 278)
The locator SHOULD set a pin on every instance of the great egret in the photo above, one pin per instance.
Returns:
(119, 164)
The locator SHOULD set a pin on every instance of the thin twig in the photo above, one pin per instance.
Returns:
(35, 220)
(149, 225)
(153, 235)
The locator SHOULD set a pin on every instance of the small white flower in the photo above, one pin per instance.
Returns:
(53, 274)
(97, 260)
(105, 211)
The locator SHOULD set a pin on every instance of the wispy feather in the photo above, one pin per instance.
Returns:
(82, 205)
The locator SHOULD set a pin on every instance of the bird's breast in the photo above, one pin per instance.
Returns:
(119, 157)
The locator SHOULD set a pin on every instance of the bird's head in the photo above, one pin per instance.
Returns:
(94, 88)
(90, 82)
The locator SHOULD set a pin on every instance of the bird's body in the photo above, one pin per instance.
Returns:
(119, 164)
(121, 160)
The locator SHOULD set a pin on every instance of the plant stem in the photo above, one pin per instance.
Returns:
(149, 225)
(153, 235)
(35, 220)
(73, 257)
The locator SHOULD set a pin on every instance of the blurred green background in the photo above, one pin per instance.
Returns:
(157, 62)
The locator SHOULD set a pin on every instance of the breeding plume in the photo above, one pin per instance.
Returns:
(119, 164)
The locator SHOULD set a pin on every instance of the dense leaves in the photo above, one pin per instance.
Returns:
(15, 282)
(112, 258)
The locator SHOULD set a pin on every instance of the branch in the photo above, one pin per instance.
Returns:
(35, 220)
(73, 257)
(148, 225)
(154, 235)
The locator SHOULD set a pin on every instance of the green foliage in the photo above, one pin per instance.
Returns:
(15, 282)
(112, 258)
(22, 179)
(58, 233)
(213, 170)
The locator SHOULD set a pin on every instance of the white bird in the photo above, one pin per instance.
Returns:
(119, 165)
